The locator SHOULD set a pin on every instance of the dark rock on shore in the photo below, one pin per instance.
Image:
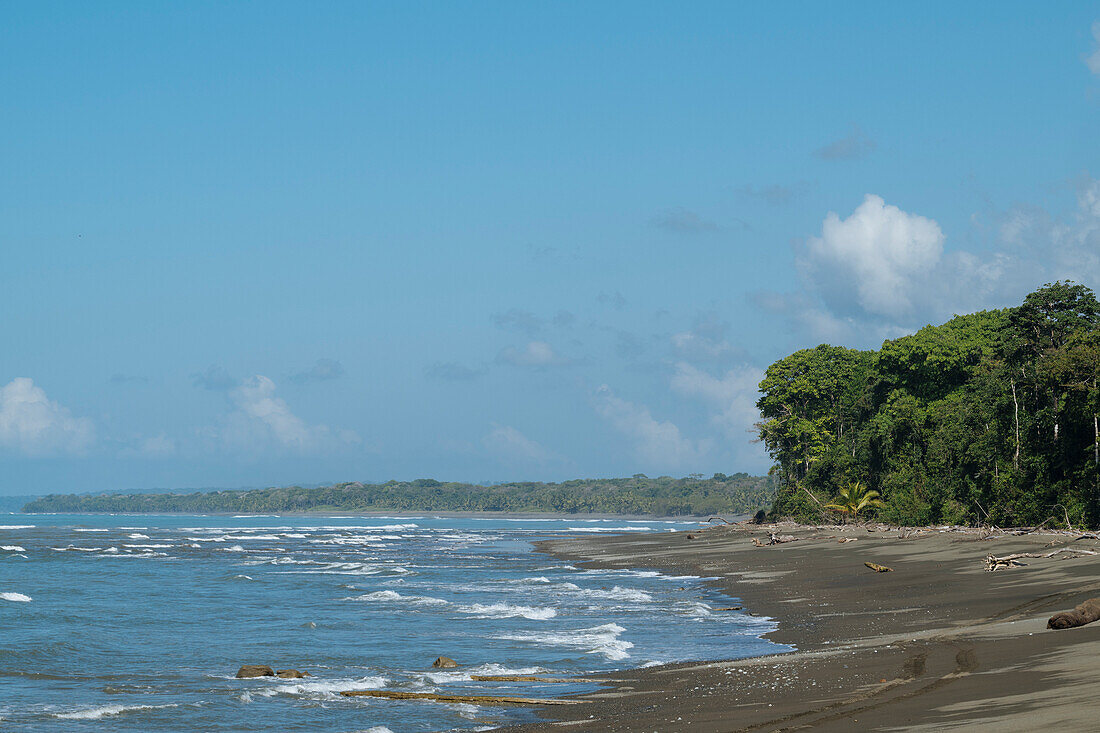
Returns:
(444, 663)
(292, 674)
(255, 670)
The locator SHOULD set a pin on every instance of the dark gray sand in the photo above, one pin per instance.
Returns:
(938, 644)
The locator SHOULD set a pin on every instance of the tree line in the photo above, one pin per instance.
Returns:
(664, 496)
(991, 417)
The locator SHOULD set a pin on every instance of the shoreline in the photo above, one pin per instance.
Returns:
(939, 643)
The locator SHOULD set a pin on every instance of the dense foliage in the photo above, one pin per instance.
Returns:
(664, 496)
(990, 417)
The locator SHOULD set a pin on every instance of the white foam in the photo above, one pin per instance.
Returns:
(389, 595)
(234, 548)
(603, 640)
(19, 526)
(97, 713)
(484, 669)
(323, 689)
(507, 610)
(138, 536)
(617, 593)
(13, 548)
(16, 597)
(609, 529)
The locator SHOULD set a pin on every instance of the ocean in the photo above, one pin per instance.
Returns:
(140, 622)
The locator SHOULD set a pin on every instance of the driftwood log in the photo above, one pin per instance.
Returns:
(775, 539)
(992, 562)
(1085, 613)
(878, 568)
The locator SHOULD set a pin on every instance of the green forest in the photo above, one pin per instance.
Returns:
(989, 418)
(665, 496)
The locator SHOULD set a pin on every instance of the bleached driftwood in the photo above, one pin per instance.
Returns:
(993, 562)
(878, 568)
(775, 539)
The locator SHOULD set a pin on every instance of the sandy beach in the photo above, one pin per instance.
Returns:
(939, 643)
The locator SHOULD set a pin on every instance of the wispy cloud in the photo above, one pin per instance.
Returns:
(516, 319)
(683, 221)
(322, 371)
(1093, 59)
(260, 421)
(509, 444)
(775, 194)
(452, 371)
(34, 425)
(852, 147)
(657, 443)
(214, 378)
(536, 354)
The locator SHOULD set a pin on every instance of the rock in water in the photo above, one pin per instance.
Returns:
(255, 670)
(292, 674)
(444, 663)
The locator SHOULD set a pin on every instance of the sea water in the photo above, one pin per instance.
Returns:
(139, 622)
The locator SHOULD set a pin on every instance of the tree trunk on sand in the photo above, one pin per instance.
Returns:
(1085, 613)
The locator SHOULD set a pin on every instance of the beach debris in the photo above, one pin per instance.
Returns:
(691, 536)
(775, 539)
(255, 670)
(470, 699)
(842, 540)
(291, 674)
(444, 663)
(1084, 613)
(878, 568)
(992, 562)
(729, 608)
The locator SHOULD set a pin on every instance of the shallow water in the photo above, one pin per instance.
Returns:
(139, 622)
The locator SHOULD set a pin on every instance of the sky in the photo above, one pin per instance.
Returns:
(270, 243)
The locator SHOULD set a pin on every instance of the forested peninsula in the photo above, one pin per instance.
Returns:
(989, 418)
(664, 496)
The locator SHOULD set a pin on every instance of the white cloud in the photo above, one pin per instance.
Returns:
(1058, 248)
(262, 420)
(656, 443)
(32, 424)
(731, 397)
(510, 444)
(879, 250)
(1093, 59)
(535, 354)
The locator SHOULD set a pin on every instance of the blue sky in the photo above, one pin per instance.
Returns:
(267, 243)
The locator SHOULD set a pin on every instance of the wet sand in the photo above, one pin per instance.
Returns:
(938, 644)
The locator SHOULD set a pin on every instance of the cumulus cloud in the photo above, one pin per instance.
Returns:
(656, 443)
(879, 250)
(510, 444)
(322, 371)
(731, 397)
(1093, 59)
(261, 420)
(1059, 248)
(852, 147)
(34, 425)
(683, 221)
(535, 355)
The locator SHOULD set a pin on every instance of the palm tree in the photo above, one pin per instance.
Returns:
(853, 499)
